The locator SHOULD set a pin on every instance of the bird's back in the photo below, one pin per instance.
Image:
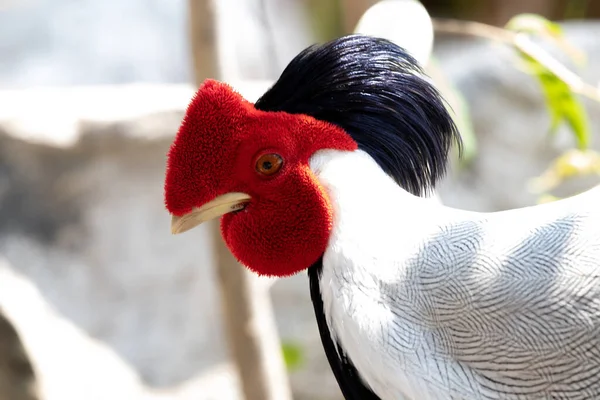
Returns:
(513, 299)
(435, 303)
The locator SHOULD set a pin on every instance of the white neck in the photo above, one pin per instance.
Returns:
(366, 200)
(376, 223)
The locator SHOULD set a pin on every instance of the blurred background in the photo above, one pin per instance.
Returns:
(97, 300)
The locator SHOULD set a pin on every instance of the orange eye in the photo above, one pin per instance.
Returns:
(269, 164)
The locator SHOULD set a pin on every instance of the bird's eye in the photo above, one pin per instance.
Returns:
(269, 164)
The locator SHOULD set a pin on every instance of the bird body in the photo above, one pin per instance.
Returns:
(431, 302)
(329, 172)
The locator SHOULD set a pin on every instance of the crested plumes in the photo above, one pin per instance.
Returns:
(376, 92)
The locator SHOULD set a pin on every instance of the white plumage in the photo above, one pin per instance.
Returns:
(431, 302)
(413, 300)
(404, 22)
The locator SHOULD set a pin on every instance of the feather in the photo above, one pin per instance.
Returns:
(377, 93)
(348, 379)
(431, 302)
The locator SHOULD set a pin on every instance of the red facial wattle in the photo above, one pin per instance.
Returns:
(285, 226)
(282, 234)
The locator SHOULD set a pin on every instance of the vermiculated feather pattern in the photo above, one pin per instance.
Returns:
(431, 302)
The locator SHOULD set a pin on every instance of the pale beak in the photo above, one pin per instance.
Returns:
(221, 205)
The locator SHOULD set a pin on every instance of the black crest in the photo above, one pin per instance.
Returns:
(378, 94)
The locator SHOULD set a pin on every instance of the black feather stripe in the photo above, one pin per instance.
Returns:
(347, 376)
(377, 93)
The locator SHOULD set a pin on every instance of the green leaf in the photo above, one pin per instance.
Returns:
(576, 118)
(563, 104)
(292, 355)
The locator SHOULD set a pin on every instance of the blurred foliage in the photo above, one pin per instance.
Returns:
(494, 11)
(577, 9)
(560, 86)
(326, 18)
(293, 355)
(563, 105)
(572, 163)
(538, 25)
